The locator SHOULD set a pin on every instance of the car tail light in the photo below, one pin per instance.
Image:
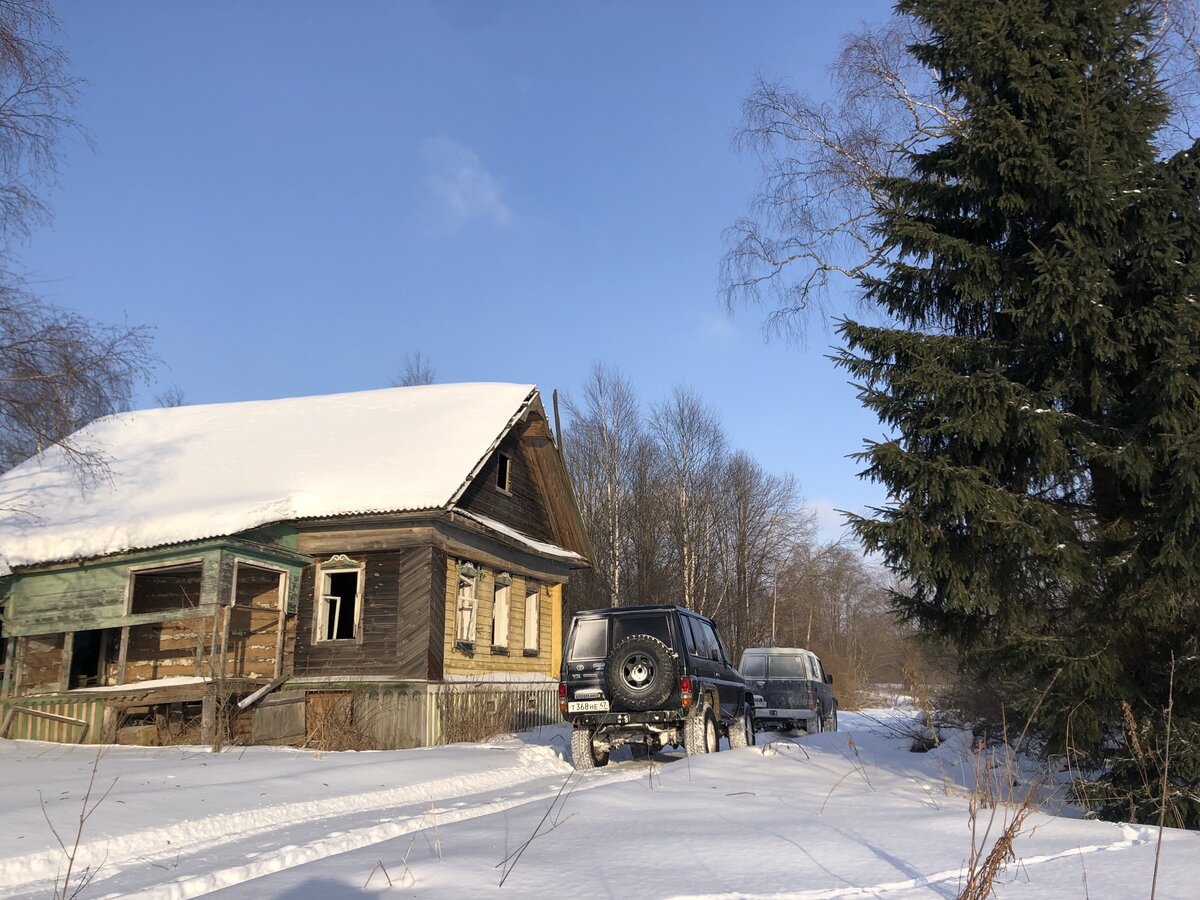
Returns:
(685, 690)
(562, 696)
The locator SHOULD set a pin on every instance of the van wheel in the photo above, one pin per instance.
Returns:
(583, 751)
(700, 733)
(641, 672)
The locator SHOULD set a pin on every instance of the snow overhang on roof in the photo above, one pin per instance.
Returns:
(542, 547)
(193, 472)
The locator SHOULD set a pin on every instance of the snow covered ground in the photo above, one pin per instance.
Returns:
(847, 814)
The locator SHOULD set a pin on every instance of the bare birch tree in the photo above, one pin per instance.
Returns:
(693, 450)
(606, 427)
(58, 370)
(417, 370)
(761, 519)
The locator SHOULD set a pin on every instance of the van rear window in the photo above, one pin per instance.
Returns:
(788, 667)
(588, 640)
(754, 666)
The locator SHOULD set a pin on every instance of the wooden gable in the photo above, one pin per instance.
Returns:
(523, 483)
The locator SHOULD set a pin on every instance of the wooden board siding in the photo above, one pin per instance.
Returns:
(437, 615)
(167, 649)
(484, 661)
(41, 659)
(394, 625)
(523, 507)
(413, 611)
(254, 624)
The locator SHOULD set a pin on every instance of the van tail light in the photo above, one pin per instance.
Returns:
(562, 696)
(685, 690)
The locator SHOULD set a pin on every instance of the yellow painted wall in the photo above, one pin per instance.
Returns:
(484, 662)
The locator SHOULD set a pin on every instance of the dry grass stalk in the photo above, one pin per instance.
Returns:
(63, 891)
(471, 713)
(338, 724)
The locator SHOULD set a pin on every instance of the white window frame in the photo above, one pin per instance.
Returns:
(466, 606)
(337, 565)
(533, 618)
(501, 611)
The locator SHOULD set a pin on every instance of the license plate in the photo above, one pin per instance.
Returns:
(587, 706)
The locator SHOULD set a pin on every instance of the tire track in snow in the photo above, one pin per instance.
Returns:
(114, 854)
(290, 856)
(1135, 837)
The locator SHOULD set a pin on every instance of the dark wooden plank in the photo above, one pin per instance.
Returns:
(436, 600)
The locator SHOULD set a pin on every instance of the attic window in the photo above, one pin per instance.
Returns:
(502, 470)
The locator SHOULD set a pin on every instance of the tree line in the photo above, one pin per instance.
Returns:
(678, 515)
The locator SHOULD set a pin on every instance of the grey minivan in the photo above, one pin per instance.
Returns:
(791, 688)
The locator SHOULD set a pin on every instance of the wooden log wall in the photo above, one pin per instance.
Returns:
(483, 660)
(523, 506)
(393, 639)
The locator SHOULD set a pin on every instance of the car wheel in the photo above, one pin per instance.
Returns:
(583, 751)
(830, 723)
(700, 732)
(741, 730)
(640, 672)
(815, 725)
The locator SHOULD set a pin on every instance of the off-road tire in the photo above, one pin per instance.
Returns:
(700, 733)
(741, 730)
(640, 673)
(830, 722)
(815, 725)
(583, 751)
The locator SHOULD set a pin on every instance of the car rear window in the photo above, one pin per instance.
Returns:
(754, 666)
(588, 640)
(653, 625)
(787, 667)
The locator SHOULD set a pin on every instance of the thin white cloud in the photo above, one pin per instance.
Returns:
(464, 190)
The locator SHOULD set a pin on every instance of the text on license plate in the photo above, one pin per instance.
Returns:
(587, 706)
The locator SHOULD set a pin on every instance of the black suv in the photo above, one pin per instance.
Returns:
(792, 689)
(650, 676)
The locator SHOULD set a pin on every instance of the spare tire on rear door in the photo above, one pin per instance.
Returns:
(641, 672)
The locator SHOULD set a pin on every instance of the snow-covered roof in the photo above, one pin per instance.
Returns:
(192, 472)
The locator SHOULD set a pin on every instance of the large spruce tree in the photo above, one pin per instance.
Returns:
(1039, 369)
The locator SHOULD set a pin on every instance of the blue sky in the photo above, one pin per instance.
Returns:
(295, 195)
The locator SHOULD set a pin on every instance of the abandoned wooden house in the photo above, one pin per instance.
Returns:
(387, 564)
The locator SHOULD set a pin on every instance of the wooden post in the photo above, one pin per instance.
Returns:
(122, 654)
(281, 594)
(208, 719)
(18, 680)
(9, 675)
(64, 669)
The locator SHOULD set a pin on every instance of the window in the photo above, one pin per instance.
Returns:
(654, 625)
(339, 603)
(533, 618)
(589, 639)
(754, 666)
(500, 610)
(502, 471)
(464, 618)
(165, 588)
(788, 667)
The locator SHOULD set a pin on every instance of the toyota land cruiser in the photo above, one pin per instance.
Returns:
(650, 677)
